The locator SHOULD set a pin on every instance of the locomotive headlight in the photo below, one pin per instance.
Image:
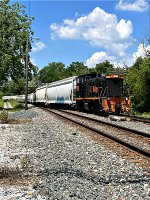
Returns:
(108, 99)
(126, 98)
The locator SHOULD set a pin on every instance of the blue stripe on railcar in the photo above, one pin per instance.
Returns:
(60, 100)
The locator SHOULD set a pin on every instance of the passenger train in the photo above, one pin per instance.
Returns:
(93, 92)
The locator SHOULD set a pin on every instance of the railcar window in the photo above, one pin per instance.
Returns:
(114, 87)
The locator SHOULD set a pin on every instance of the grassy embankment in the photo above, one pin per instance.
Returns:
(4, 117)
(1, 103)
(17, 106)
(147, 115)
(144, 114)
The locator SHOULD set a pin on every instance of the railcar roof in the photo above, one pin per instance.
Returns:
(62, 81)
(57, 82)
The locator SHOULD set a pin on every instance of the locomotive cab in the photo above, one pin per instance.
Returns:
(115, 102)
(114, 93)
(114, 84)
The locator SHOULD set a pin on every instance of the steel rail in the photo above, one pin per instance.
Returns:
(110, 124)
(125, 144)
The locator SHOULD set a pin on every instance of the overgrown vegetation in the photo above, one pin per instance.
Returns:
(7, 171)
(141, 114)
(1, 94)
(1, 103)
(14, 87)
(16, 105)
(3, 116)
(19, 121)
(138, 85)
(144, 114)
(15, 29)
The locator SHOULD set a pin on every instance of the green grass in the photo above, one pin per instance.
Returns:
(1, 103)
(144, 114)
(17, 106)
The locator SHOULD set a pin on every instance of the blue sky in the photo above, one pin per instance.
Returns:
(88, 31)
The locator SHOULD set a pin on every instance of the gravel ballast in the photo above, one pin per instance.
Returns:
(50, 159)
(124, 121)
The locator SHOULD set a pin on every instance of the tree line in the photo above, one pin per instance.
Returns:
(15, 29)
(15, 26)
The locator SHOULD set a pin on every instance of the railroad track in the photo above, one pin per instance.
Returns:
(130, 143)
(136, 118)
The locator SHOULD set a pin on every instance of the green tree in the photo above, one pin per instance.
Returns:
(76, 69)
(13, 87)
(137, 63)
(15, 28)
(91, 70)
(34, 82)
(138, 83)
(53, 72)
(103, 68)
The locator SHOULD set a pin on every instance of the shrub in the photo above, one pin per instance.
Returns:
(8, 171)
(1, 94)
(3, 116)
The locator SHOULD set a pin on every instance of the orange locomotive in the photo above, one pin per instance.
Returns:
(101, 93)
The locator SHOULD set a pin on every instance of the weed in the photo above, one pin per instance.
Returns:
(3, 116)
(24, 161)
(6, 171)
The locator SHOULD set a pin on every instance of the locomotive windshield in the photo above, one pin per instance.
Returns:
(114, 87)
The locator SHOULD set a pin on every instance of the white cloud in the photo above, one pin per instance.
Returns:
(137, 5)
(100, 28)
(141, 51)
(123, 28)
(100, 57)
(39, 46)
(117, 61)
(95, 59)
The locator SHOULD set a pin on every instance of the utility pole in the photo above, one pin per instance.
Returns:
(27, 69)
(26, 73)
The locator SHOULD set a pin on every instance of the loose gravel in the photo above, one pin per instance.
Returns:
(49, 159)
(125, 121)
(129, 137)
